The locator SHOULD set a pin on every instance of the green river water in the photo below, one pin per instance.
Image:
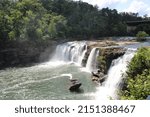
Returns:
(44, 81)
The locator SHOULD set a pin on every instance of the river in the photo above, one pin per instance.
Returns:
(50, 80)
(44, 82)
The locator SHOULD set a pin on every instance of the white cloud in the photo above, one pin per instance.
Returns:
(104, 3)
(138, 6)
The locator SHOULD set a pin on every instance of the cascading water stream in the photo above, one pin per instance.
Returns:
(112, 84)
(70, 52)
(75, 52)
(92, 60)
(83, 52)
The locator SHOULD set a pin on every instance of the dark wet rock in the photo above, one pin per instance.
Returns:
(98, 77)
(107, 55)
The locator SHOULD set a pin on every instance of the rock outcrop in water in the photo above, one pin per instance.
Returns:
(105, 50)
(104, 60)
(103, 53)
(107, 55)
(113, 83)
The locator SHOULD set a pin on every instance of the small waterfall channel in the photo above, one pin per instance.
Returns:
(92, 60)
(112, 84)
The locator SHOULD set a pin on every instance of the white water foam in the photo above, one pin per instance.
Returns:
(92, 60)
(69, 75)
(51, 64)
(73, 52)
(35, 81)
(109, 89)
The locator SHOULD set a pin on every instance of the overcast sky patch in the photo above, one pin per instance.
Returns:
(140, 6)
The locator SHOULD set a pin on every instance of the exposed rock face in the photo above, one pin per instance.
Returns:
(106, 56)
(98, 77)
(108, 51)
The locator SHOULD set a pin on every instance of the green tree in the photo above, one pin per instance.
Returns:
(5, 20)
(138, 76)
(29, 20)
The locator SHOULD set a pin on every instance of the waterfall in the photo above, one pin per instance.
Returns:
(113, 81)
(70, 52)
(75, 52)
(83, 52)
(92, 60)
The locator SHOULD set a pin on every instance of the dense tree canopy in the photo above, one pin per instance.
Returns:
(50, 19)
(28, 19)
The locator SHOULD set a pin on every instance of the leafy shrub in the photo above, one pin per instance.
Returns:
(141, 36)
(138, 76)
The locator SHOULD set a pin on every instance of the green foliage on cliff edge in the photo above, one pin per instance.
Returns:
(138, 76)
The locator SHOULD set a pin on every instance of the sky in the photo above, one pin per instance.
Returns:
(136, 6)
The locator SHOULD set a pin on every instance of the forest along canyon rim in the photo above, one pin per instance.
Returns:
(50, 80)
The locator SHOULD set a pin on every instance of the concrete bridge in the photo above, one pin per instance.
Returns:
(132, 25)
